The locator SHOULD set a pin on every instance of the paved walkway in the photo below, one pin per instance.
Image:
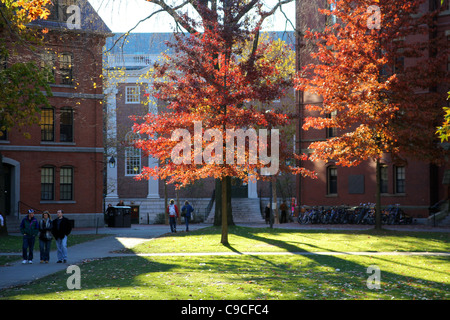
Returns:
(120, 238)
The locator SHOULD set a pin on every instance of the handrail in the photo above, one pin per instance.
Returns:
(29, 207)
(210, 204)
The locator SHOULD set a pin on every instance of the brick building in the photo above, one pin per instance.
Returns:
(61, 166)
(415, 185)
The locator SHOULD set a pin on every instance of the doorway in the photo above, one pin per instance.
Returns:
(5, 190)
(238, 188)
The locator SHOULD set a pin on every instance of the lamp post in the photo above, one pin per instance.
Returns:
(112, 162)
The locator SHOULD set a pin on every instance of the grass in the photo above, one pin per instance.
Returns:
(260, 277)
(244, 239)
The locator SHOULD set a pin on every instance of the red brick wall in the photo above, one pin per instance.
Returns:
(87, 129)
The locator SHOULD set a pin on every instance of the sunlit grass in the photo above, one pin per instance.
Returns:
(244, 239)
(259, 276)
(248, 277)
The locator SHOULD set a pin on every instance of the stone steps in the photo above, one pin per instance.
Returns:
(244, 211)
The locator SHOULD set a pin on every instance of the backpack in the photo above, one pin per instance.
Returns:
(172, 211)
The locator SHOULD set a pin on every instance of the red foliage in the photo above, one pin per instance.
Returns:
(207, 80)
(380, 83)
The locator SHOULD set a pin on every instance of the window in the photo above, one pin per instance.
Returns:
(332, 18)
(133, 161)
(132, 94)
(66, 68)
(399, 65)
(66, 183)
(47, 183)
(47, 124)
(66, 125)
(58, 10)
(399, 179)
(332, 180)
(445, 4)
(3, 135)
(48, 66)
(331, 132)
(383, 179)
(132, 155)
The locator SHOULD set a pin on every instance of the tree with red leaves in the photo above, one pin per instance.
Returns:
(211, 87)
(378, 72)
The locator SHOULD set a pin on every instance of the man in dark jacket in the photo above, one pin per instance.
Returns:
(29, 227)
(60, 230)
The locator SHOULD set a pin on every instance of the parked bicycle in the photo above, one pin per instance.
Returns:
(362, 214)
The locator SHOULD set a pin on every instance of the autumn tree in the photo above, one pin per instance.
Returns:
(379, 81)
(189, 16)
(210, 91)
(21, 81)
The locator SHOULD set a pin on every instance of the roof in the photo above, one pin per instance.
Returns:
(155, 43)
(81, 16)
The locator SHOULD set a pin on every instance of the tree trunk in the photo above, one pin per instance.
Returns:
(218, 207)
(219, 198)
(166, 204)
(275, 200)
(378, 197)
(224, 192)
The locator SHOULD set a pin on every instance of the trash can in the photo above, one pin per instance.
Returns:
(126, 214)
(119, 217)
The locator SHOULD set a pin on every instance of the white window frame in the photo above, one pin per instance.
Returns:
(132, 155)
(132, 97)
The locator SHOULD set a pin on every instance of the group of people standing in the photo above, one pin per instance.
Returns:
(186, 212)
(283, 216)
(46, 229)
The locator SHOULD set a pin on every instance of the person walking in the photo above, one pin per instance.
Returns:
(45, 237)
(172, 210)
(29, 227)
(267, 213)
(283, 209)
(61, 229)
(186, 211)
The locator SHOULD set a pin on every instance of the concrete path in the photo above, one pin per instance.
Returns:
(17, 273)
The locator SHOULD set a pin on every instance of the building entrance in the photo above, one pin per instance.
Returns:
(238, 188)
(5, 190)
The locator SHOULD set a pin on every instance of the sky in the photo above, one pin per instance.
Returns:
(122, 15)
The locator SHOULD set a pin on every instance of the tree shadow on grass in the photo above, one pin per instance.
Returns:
(348, 269)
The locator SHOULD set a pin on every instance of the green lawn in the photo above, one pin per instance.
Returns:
(255, 277)
(243, 239)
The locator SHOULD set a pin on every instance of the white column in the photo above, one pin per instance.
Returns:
(111, 174)
(153, 184)
(252, 189)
